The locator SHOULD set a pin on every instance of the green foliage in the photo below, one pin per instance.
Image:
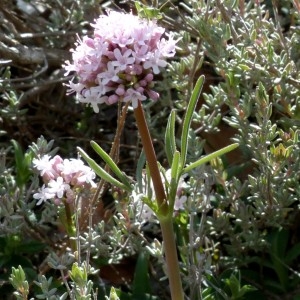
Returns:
(104, 174)
(277, 261)
(19, 282)
(23, 164)
(111, 164)
(227, 286)
(147, 12)
(188, 118)
(82, 287)
(47, 292)
(113, 295)
(141, 284)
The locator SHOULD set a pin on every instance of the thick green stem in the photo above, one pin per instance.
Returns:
(173, 269)
(165, 215)
(151, 159)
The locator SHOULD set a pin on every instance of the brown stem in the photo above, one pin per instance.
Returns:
(151, 159)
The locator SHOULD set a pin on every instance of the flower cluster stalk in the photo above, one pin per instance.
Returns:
(70, 226)
(164, 216)
(151, 159)
(172, 263)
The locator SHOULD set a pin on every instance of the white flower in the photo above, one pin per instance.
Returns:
(154, 60)
(179, 202)
(42, 164)
(142, 210)
(93, 97)
(58, 187)
(43, 195)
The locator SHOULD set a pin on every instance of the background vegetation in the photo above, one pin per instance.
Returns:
(238, 237)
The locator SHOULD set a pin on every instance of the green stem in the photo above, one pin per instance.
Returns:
(151, 159)
(173, 270)
(71, 231)
(164, 216)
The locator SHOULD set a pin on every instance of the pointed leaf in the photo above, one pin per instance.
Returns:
(175, 174)
(188, 118)
(115, 169)
(102, 173)
(170, 144)
(139, 170)
(141, 281)
(209, 157)
(176, 167)
(292, 254)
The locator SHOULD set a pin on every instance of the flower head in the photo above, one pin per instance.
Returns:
(122, 53)
(62, 178)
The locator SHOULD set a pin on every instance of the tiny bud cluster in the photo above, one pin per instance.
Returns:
(62, 178)
(119, 62)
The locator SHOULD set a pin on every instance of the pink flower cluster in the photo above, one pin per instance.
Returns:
(62, 178)
(119, 62)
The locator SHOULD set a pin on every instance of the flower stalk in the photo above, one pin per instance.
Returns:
(173, 270)
(165, 212)
(70, 226)
(151, 159)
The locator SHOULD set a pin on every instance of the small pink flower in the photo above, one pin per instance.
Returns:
(111, 74)
(140, 52)
(179, 203)
(167, 47)
(133, 96)
(123, 60)
(120, 90)
(57, 164)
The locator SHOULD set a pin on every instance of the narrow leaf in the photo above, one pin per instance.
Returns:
(209, 157)
(139, 170)
(188, 118)
(102, 173)
(176, 167)
(112, 165)
(292, 254)
(170, 144)
(175, 173)
(141, 282)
